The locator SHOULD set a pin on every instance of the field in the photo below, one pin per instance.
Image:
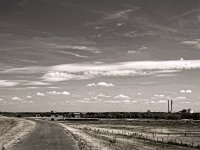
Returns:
(12, 130)
(134, 134)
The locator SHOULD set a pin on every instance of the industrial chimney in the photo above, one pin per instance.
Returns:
(168, 106)
(171, 105)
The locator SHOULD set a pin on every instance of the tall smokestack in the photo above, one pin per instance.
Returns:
(171, 105)
(168, 106)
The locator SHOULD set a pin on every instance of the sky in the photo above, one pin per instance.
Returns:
(99, 55)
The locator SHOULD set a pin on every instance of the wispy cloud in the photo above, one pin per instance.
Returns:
(52, 87)
(19, 100)
(149, 83)
(102, 95)
(32, 87)
(194, 43)
(36, 83)
(62, 76)
(6, 83)
(121, 96)
(75, 47)
(16, 98)
(101, 84)
(185, 102)
(138, 50)
(186, 91)
(161, 95)
(137, 68)
(156, 102)
(166, 75)
(119, 15)
(58, 93)
(180, 97)
(113, 101)
(77, 55)
(94, 70)
(119, 101)
(40, 94)
(29, 97)
(162, 101)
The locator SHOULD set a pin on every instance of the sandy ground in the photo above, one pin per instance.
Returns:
(12, 130)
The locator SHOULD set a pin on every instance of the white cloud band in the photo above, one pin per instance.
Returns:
(137, 68)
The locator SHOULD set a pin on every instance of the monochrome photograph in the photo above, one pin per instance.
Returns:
(99, 74)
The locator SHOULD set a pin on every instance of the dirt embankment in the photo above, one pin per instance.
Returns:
(12, 130)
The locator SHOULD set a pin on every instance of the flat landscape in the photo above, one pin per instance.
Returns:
(141, 135)
(99, 74)
(99, 134)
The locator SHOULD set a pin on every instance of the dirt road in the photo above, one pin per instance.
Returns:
(46, 136)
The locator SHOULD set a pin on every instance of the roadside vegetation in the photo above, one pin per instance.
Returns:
(129, 135)
(12, 130)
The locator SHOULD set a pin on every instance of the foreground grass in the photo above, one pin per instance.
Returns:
(12, 130)
(128, 136)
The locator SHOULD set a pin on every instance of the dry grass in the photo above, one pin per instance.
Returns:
(135, 136)
(12, 130)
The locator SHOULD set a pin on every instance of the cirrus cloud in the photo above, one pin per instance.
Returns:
(58, 93)
(194, 43)
(6, 83)
(137, 68)
(101, 84)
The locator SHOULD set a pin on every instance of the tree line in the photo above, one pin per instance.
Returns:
(108, 115)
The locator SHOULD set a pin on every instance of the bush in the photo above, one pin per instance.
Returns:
(113, 141)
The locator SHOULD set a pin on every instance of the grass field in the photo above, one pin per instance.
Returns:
(12, 130)
(140, 135)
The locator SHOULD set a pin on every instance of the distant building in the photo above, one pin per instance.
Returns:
(77, 115)
(189, 111)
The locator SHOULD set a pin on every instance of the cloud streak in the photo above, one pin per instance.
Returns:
(91, 70)
(137, 68)
(40, 94)
(121, 96)
(101, 84)
(194, 43)
(16, 98)
(58, 93)
(82, 48)
(5, 83)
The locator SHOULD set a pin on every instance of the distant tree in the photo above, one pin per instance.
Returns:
(72, 115)
(19, 116)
